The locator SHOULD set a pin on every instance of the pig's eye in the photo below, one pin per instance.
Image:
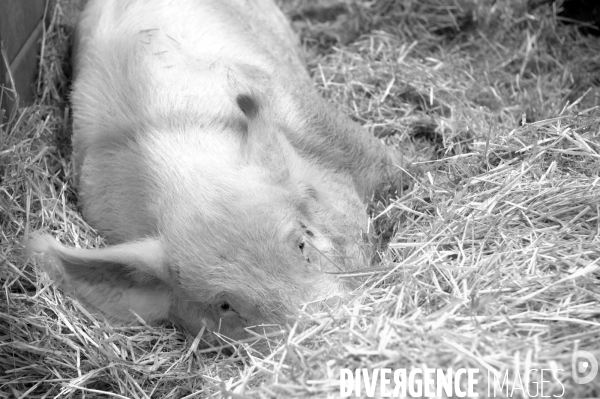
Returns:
(301, 246)
(302, 243)
(225, 309)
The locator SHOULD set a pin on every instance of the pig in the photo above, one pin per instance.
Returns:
(229, 192)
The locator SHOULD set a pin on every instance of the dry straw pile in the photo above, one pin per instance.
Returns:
(491, 262)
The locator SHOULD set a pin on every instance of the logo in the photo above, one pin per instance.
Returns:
(402, 383)
(584, 366)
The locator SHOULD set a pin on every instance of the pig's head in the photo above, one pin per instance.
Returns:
(274, 233)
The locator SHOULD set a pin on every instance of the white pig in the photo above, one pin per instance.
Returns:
(229, 191)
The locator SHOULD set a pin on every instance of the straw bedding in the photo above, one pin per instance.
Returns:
(491, 261)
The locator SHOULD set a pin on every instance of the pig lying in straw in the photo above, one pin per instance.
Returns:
(229, 191)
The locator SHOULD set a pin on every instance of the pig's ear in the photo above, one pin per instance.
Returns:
(118, 280)
(249, 104)
(263, 144)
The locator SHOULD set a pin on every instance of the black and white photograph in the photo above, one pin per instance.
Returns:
(299, 199)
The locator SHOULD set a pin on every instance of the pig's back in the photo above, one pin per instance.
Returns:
(143, 67)
(138, 60)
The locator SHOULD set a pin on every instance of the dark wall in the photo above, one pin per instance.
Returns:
(21, 27)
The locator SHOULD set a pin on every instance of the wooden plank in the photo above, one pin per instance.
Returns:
(21, 26)
(25, 65)
(18, 19)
